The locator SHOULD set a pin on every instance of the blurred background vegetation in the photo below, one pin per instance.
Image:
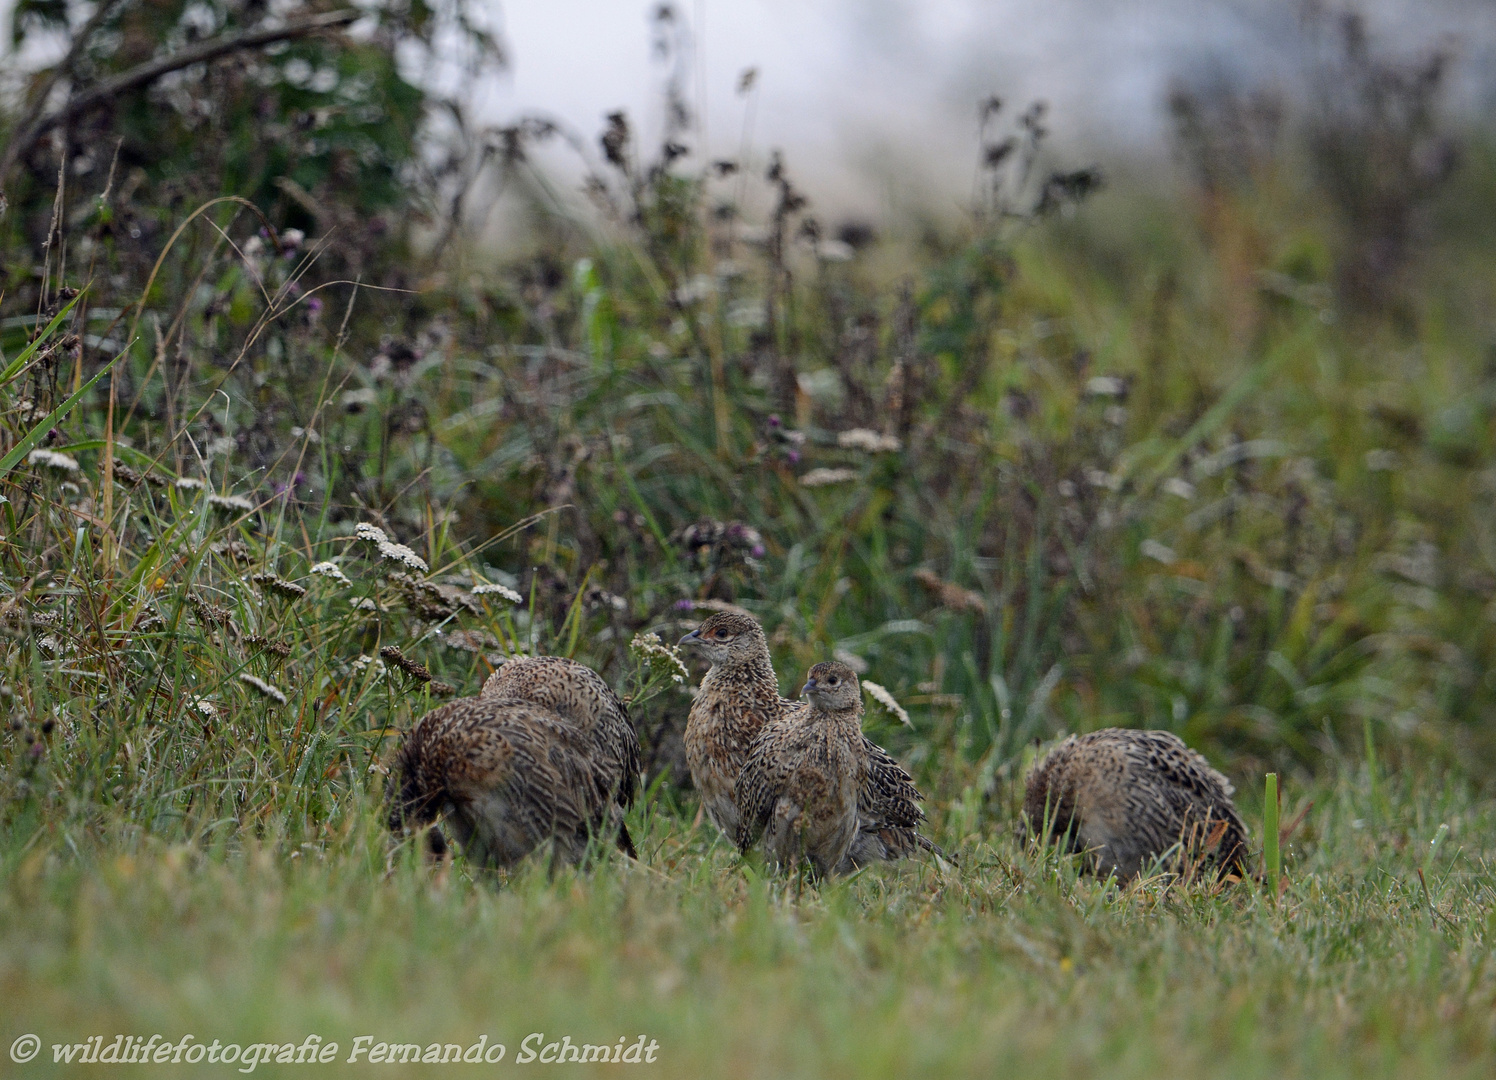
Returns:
(1213, 454)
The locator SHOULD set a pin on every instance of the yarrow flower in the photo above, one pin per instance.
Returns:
(331, 570)
(825, 477)
(387, 549)
(271, 692)
(870, 442)
(493, 589)
(52, 459)
(204, 708)
(887, 700)
(654, 654)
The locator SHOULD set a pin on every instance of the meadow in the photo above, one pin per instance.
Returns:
(286, 460)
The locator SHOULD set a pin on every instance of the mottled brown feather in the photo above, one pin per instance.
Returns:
(739, 695)
(1128, 796)
(504, 774)
(799, 785)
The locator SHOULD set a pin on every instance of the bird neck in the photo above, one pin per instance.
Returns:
(755, 675)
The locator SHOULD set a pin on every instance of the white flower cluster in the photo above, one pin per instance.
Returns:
(273, 693)
(649, 650)
(491, 589)
(826, 477)
(331, 570)
(365, 660)
(52, 459)
(881, 695)
(868, 441)
(204, 708)
(388, 549)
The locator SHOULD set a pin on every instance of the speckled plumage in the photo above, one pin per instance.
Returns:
(800, 782)
(1128, 796)
(505, 775)
(739, 695)
(579, 695)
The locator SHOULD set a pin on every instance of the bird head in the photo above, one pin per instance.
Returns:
(832, 687)
(728, 637)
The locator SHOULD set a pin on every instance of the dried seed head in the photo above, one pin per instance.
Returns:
(265, 689)
(416, 671)
(288, 590)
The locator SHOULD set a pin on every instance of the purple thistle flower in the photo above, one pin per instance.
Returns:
(757, 551)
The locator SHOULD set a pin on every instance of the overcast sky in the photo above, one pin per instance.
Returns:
(857, 90)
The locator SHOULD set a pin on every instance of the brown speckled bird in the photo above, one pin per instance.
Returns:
(580, 696)
(799, 786)
(738, 696)
(505, 775)
(1128, 796)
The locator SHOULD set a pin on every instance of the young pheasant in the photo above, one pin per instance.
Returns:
(800, 782)
(1128, 796)
(580, 696)
(738, 696)
(505, 775)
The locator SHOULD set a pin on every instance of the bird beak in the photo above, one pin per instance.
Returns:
(810, 684)
(690, 639)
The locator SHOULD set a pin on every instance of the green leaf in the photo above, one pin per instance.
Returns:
(22, 448)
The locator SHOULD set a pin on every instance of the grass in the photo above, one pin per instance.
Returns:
(1140, 465)
(1013, 965)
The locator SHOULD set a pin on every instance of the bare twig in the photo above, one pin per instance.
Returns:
(145, 74)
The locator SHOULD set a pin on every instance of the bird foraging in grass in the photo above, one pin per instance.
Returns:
(1127, 797)
(799, 785)
(739, 695)
(504, 775)
(580, 696)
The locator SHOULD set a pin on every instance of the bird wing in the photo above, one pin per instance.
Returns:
(761, 781)
(888, 795)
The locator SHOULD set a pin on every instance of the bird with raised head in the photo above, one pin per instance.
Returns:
(1127, 797)
(739, 694)
(798, 787)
